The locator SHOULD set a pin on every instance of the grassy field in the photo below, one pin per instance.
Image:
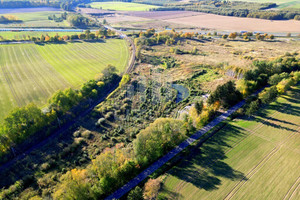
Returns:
(24, 34)
(36, 19)
(248, 159)
(122, 6)
(281, 3)
(32, 73)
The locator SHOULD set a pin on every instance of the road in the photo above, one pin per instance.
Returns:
(159, 163)
(66, 126)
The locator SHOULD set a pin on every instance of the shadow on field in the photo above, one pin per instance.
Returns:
(286, 108)
(205, 166)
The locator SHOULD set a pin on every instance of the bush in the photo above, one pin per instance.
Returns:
(100, 121)
(87, 134)
(109, 115)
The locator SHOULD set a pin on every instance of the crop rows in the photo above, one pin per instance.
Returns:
(256, 159)
(32, 73)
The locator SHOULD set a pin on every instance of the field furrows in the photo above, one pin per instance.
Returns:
(289, 195)
(48, 72)
(251, 132)
(70, 77)
(32, 73)
(257, 167)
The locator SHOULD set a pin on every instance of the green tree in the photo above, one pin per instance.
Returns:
(226, 94)
(199, 107)
(109, 73)
(253, 107)
(135, 194)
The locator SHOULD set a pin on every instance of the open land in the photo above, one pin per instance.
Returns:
(247, 159)
(198, 20)
(219, 22)
(122, 6)
(223, 52)
(32, 73)
(36, 19)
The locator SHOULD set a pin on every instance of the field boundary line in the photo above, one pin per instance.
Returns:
(297, 182)
(294, 191)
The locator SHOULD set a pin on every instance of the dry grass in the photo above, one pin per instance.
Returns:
(218, 51)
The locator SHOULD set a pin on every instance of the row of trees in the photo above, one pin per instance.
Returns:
(113, 168)
(9, 19)
(61, 18)
(280, 83)
(234, 8)
(78, 20)
(87, 35)
(24, 122)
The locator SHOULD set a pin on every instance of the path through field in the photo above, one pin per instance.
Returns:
(32, 73)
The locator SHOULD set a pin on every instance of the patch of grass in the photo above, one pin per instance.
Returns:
(249, 159)
(32, 73)
(122, 6)
(36, 19)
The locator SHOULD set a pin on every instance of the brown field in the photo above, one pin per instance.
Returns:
(219, 22)
(199, 20)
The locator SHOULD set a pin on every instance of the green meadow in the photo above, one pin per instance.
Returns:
(122, 6)
(36, 19)
(32, 73)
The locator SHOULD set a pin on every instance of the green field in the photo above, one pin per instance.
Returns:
(36, 19)
(122, 6)
(281, 3)
(32, 73)
(247, 159)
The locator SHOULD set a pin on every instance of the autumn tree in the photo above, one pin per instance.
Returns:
(75, 184)
(232, 35)
(151, 189)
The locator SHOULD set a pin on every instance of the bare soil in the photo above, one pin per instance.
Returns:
(228, 23)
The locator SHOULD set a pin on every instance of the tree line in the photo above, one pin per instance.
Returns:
(232, 8)
(87, 35)
(25, 122)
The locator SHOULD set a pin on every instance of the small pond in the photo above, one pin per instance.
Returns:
(182, 92)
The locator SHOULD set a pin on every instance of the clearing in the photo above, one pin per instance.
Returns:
(32, 73)
(248, 159)
(122, 6)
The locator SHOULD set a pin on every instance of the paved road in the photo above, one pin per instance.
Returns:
(66, 126)
(159, 163)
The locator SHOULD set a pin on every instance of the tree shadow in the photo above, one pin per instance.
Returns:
(205, 166)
